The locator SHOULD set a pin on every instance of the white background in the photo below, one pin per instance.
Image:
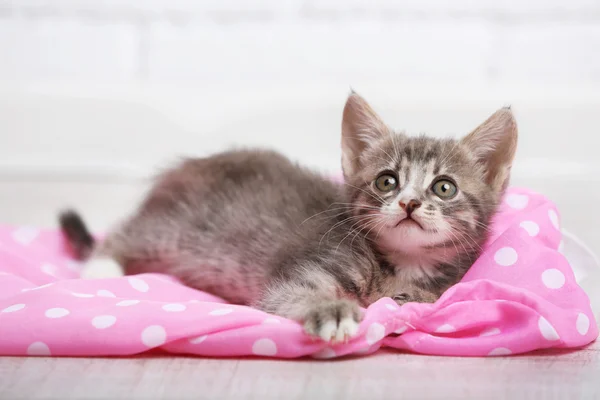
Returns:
(95, 95)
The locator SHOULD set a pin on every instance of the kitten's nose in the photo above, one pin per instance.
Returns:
(411, 206)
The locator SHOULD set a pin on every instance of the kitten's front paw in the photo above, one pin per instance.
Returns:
(402, 298)
(333, 321)
(415, 295)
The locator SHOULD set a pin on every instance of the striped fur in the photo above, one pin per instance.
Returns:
(254, 228)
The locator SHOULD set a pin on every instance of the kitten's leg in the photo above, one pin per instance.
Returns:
(415, 294)
(103, 262)
(101, 267)
(323, 315)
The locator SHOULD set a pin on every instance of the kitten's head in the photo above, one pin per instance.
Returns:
(419, 193)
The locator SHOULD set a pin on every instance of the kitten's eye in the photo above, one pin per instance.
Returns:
(386, 182)
(444, 189)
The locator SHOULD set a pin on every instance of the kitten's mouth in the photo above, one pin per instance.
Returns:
(408, 221)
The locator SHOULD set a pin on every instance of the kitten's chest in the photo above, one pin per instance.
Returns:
(414, 268)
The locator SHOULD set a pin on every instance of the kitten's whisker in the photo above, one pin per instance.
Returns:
(362, 206)
(345, 208)
(395, 146)
(471, 242)
(383, 221)
(379, 231)
(344, 211)
(373, 195)
(452, 152)
(477, 223)
(391, 160)
(458, 253)
(461, 244)
(322, 212)
(342, 222)
(351, 230)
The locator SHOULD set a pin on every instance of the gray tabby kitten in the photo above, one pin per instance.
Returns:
(254, 228)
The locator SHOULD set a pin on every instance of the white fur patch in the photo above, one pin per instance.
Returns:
(331, 331)
(347, 329)
(101, 268)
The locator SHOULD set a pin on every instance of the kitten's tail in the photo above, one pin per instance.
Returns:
(78, 236)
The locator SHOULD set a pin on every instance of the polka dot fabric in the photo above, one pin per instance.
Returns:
(519, 296)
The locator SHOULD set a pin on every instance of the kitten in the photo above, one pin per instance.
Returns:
(254, 228)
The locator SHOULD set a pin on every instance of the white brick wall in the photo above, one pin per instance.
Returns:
(194, 42)
(46, 48)
(100, 83)
(316, 51)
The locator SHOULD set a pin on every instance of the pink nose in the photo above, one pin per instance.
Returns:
(411, 206)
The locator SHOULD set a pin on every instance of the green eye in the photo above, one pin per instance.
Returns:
(386, 182)
(444, 189)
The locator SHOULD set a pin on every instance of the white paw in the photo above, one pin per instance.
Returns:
(332, 331)
(347, 328)
(101, 268)
(336, 321)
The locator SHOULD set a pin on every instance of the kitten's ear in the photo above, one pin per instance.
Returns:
(361, 127)
(494, 144)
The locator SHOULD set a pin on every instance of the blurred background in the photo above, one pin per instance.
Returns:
(96, 95)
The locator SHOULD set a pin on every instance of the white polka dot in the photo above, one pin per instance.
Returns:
(174, 307)
(57, 312)
(127, 303)
(198, 339)
(82, 295)
(13, 308)
(582, 324)
(375, 333)
(506, 256)
(154, 335)
(325, 354)
(49, 269)
(221, 311)
(446, 328)
(517, 201)
(105, 293)
(553, 278)
(530, 227)
(490, 332)
(547, 330)
(139, 284)
(38, 349)
(500, 351)
(391, 307)
(264, 347)
(271, 320)
(25, 235)
(104, 321)
(553, 218)
(401, 330)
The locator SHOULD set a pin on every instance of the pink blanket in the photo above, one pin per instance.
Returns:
(519, 296)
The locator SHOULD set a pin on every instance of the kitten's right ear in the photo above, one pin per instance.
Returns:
(361, 127)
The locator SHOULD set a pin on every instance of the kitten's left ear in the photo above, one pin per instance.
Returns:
(494, 144)
(361, 127)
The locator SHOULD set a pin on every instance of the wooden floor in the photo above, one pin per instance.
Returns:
(386, 375)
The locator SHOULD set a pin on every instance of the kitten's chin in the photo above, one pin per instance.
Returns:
(407, 236)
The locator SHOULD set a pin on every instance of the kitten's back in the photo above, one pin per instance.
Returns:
(220, 223)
